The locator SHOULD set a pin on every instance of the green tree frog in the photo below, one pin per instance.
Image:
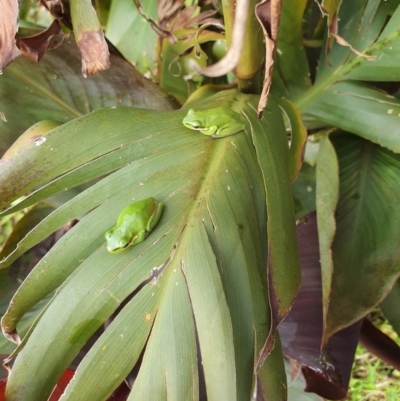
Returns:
(134, 224)
(217, 122)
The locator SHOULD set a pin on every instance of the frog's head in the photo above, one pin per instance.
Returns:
(116, 240)
(193, 120)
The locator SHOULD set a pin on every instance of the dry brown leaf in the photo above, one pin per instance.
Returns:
(35, 46)
(343, 42)
(268, 14)
(59, 9)
(185, 19)
(8, 29)
(231, 59)
(157, 28)
(89, 36)
(95, 54)
(167, 11)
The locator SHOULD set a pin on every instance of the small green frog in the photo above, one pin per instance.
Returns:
(217, 122)
(134, 224)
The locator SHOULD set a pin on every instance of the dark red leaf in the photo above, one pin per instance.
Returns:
(380, 344)
(327, 371)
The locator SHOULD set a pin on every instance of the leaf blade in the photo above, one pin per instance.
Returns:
(367, 216)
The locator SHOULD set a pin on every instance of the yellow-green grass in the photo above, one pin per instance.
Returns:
(372, 379)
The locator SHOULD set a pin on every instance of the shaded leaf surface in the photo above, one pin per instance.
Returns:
(291, 61)
(303, 190)
(55, 89)
(24, 225)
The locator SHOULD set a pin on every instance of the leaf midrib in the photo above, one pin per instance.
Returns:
(362, 188)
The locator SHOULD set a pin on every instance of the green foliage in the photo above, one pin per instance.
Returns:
(195, 308)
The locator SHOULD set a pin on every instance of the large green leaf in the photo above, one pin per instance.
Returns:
(291, 61)
(55, 89)
(137, 30)
(283, 267)
(366, 254)
(206, 259)
(361, 110)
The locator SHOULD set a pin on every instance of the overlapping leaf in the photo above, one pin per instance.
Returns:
(291, 71)
(327, 196)
(365, 249)
(356, 107)
(361, 110)
(281, 224)
(360, 24)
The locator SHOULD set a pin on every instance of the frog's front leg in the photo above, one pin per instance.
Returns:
(139, 237)
(228, 130)
(209, 131)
